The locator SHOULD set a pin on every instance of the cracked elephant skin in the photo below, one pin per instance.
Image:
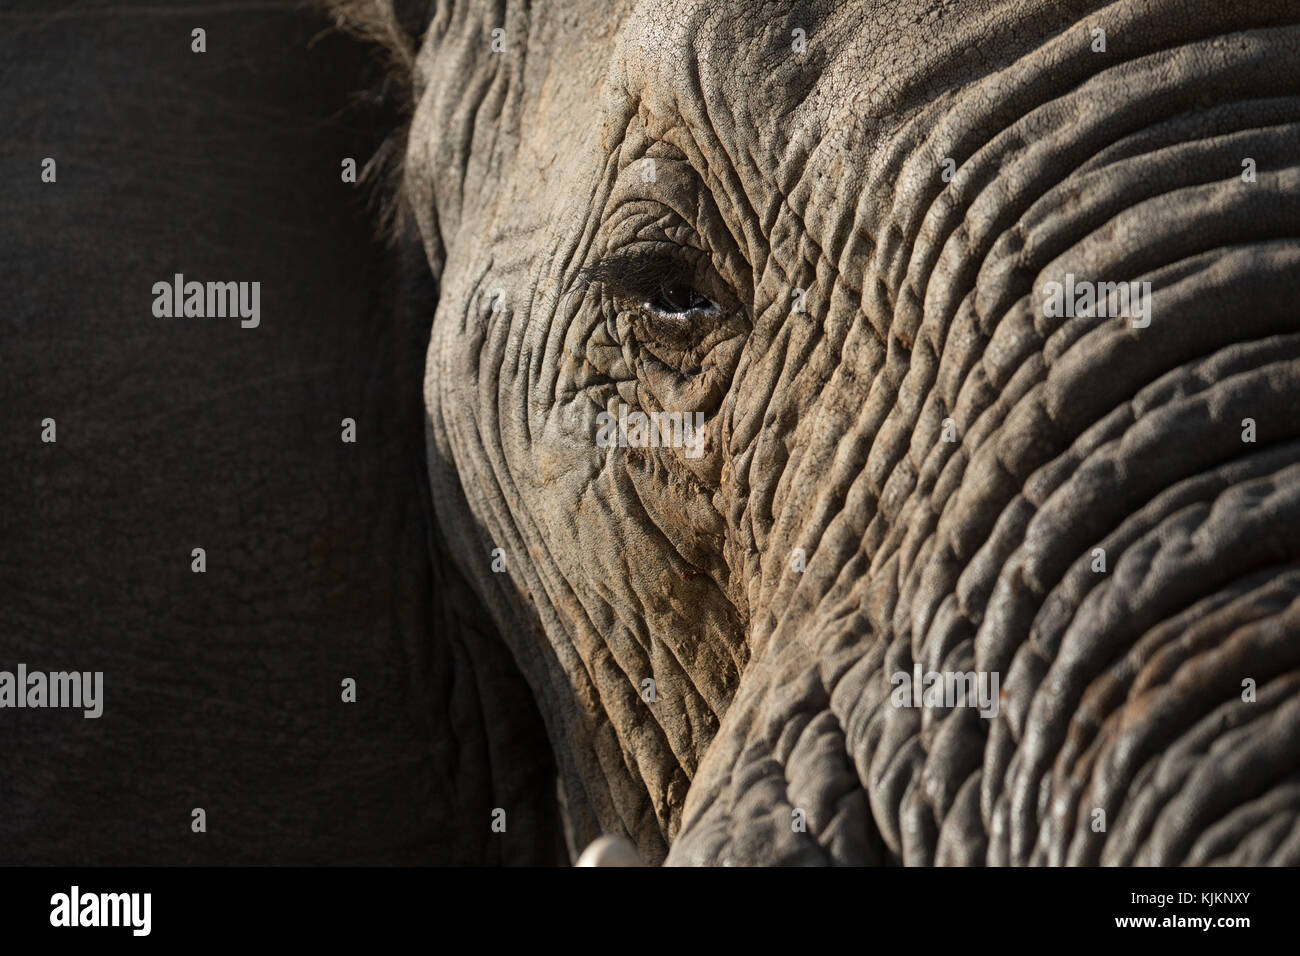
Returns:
(823, 232)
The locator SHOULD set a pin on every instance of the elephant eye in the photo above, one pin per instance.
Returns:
(676, 299)
(660, 285)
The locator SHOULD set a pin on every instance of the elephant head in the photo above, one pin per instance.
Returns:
(872, 427)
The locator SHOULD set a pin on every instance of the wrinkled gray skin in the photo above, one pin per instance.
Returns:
(1121, 691)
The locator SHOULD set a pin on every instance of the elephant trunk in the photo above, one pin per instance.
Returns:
(1072, 491)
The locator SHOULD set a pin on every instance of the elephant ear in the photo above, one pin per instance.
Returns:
(403, 196)
(232, 525)
(396, 25)
(408, 175)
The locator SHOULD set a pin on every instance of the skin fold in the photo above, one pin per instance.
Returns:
(881, 389)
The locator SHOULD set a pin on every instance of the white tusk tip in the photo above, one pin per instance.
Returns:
(610, 850)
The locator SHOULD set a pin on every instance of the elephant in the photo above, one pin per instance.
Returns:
(869, 424)
(804, 433)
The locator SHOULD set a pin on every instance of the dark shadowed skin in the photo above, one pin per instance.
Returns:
(863, 308)
(223, 690)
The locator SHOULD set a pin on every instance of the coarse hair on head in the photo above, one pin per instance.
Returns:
(394, 28)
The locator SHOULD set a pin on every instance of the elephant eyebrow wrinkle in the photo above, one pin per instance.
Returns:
(634, 274)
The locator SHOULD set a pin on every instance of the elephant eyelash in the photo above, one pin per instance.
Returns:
(634, 275)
